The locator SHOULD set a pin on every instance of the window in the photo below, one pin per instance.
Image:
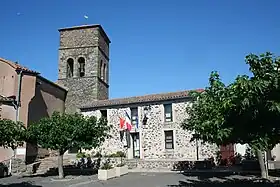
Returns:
(81, 62)
(70, 67)
(168, 112)
(104, 113)
(169, 139)
(134, 116)
(101, 70)
(104, 72)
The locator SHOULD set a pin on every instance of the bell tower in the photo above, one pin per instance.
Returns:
(84, 65)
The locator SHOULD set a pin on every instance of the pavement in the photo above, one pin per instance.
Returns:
(141, 179)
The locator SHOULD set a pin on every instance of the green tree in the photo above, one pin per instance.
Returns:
(12, 134)
(62, 132)
(245, 111)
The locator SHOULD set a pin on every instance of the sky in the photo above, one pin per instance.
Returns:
(157, 45)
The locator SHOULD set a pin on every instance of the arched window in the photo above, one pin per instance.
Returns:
(81, 62)
(101, 70)
(104, 72)
(70, 67)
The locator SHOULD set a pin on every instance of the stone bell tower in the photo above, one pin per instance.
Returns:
(84, 65)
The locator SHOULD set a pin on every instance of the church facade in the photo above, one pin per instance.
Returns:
(156, 119)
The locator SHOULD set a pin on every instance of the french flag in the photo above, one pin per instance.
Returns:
(122, 123)
(127, 122)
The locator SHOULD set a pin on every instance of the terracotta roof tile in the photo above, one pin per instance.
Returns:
(140, 99)
(17, 66)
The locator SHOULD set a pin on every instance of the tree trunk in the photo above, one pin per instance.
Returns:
(264, 171)
(60, 165)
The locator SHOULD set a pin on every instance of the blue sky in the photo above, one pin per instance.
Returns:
(157, 45)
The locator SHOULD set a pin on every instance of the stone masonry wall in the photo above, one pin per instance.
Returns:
(90, 44)
(79, 37)
(80, 91)
(152, 140)
(91, 61)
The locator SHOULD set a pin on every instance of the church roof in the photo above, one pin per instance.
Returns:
(17, 66)
(140, 99)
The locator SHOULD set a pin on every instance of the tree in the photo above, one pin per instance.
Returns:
(245, 111)
(62, 132)
(12, 134)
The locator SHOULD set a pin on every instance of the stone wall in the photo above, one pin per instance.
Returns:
(152, 140)
(80, 92)
(91, 43)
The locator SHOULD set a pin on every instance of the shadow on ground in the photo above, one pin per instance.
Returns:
(223, 179)
(68, 170)
(208, 175)
(225, 183)
(22, 184)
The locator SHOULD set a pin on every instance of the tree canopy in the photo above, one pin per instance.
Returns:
(65, 131)
(244, 111)
(12, 134)
(62, 132)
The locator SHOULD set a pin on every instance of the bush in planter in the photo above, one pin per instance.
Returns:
(106, 171)
(121, 169)
(106, 166)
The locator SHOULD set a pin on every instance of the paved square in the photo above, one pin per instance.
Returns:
(136, 180)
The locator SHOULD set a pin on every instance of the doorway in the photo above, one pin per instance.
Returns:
(136, 144)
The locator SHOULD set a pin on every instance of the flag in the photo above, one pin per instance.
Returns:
(122, 123)
(136, 122)
(127, 122)
(127, 133)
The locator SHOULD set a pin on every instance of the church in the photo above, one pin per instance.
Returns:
(154, 133)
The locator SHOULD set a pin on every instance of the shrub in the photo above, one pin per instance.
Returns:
(107, 165)
(81, 155)
(117, 154)
(97, 155)
(120, 154)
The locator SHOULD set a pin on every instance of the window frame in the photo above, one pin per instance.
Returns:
(70, 68)
(134, 110)
(103, 112)
(82, 66)
(168, 119)
(169, 133)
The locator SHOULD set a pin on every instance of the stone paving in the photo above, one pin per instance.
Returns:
(139, 180)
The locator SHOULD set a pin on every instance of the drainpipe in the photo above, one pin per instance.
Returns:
(18, 94)
(17, 106)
